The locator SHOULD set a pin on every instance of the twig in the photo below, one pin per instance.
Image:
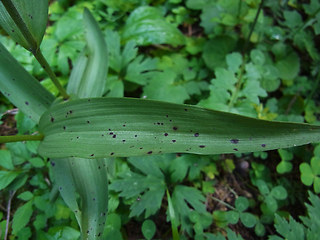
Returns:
(8, 213)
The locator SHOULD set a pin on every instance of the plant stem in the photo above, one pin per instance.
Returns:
(14, 14)
(8, 213)
(19, 138)
(252, 27)
(223, 203)
(40, 58)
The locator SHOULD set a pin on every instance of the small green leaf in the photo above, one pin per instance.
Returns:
(148, 229)
(289, 66)
(284, 167)
(37, 162)
(242, 204)
(6, 159)
(146, 26)
(6, 178)
(232, 217)
(279, 192)
(307, 176)
(248, 219)
(21, 217)
(215, 51)
(26, 196)
(315, 165)
(271, 203)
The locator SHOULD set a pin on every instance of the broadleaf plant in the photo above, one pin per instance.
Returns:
(78, 132)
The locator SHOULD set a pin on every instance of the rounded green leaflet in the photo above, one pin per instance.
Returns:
(241, 204)
(103, 127)
(279, 192)
(248, 219)
(232, 217)
(306, 174)
(148, 229)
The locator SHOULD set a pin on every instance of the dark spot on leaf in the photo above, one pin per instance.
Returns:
(78, 137)
(12, 30)
(123, 140)
(263, 145)
(93, 199)
(102, 135)
(141, 148)
(111, 153)
(196, 134)
(88, 121)
(52, 119)
(92, 155)
(111, 133)
(236, 149)
(186, 109)
(234, 141)
(64, 127)
(178, 155)
(135, 135)
(167, 115)
(166, 134)
(114, 136)
(175, 128)
(27, 103)
(150, 152)
(174, 141)
(202, 146)
(123, 125)
(52, 163)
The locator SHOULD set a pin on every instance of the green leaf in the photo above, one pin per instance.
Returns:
(232, 217)
(279, 192)
(148, 229)
(289, 66)
(315, 165)
(102, 127)
(173, 218)
(23, 90)
(26, 196)
(289, 230)
(21, 217)
(248, 219)
(6, 178)
(307, 176)
(241, 204)
(91, 78)
(146, 26)
(215, 51)
(284, 167)
(183, 198)
(28, 22)
(6, 160)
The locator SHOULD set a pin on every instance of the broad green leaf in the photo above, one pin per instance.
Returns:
(23, 90)
(89, 75)
(146, 26)
(307, 176)
(241, 204)
(289, 66)
(232, 216)
(29, 23)
(21, 217)
(102, 127)
(279, 192)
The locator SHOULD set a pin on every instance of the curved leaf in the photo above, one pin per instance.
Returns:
(26, 22)
(101, 127)
(23, 90)
(89, 74)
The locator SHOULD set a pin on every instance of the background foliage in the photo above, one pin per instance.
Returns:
(218, 54)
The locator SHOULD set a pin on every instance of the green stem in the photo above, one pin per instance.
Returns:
(40, 58)
(252, 27)
(14, 14)
(20, 138)
(223, 203)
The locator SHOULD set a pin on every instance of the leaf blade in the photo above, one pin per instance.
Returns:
(101, 127)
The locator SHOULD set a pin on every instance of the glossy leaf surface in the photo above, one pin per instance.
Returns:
(23, 90)
(33, 15)
(101, 127)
